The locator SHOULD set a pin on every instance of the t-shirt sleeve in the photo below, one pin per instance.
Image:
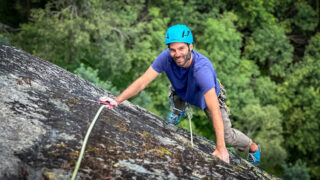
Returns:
(205, 79)
(159, 64)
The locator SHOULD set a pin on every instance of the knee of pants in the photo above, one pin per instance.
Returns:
(229, 138)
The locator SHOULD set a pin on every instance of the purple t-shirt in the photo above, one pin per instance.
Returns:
(189, 83)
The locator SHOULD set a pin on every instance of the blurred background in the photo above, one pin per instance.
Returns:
(265, 52)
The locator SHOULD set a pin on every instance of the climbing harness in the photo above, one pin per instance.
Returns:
(176, 114)
(105, 105)
(174, 118)
(222, 99)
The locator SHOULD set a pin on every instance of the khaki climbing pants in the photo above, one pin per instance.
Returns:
(233, 137)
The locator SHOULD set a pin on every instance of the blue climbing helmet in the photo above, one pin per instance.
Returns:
(179, 33)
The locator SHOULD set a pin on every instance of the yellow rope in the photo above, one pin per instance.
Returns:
(85, 143)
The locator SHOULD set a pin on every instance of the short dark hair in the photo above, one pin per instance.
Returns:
(185, 43)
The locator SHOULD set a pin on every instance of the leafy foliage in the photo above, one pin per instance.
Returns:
(265, 89)
(271, 49)
(255, 13)
(306, 17)
(91, 75)
(264, 125)
(4, 38)
(300, 102)
(298, 171)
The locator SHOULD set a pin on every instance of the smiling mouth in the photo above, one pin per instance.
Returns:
(180, 59)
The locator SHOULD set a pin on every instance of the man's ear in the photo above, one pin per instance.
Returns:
(191, 47)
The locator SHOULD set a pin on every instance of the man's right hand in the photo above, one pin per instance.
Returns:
(222, 154)
(108, 102)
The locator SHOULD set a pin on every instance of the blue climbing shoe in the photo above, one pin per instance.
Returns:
(254, 157)
(174, 118)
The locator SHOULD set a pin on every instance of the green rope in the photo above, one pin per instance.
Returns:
(85, 143)
(190, 114)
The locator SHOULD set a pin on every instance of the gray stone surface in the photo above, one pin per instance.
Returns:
(45, 112)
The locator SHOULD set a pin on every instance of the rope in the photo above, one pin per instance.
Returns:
(75, 172)
(187, 109)
(85, 143)
(189, 114)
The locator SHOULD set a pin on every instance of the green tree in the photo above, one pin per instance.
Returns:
(299, 101)
(91, 75)
(306, 18)
(4, 38)
(56, 37)
(271, 50)
(263, 124)
(254, 13)
(298, 171)
(265, 90)
(14, 12)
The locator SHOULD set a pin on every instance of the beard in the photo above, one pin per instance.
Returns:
(182, 60)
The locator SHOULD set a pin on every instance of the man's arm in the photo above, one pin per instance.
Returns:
(213, 105)
(138, 85)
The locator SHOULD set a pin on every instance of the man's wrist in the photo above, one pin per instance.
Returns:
(221, 148)
(118, 100)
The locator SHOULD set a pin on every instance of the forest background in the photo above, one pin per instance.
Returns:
(265, 52)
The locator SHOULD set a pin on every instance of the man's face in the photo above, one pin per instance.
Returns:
(179, 52)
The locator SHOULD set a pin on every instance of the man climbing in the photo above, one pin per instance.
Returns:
(194, 81)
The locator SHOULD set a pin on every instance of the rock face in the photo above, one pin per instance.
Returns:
(45, 112)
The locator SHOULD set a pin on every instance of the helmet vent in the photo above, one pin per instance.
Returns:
(183, 35)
